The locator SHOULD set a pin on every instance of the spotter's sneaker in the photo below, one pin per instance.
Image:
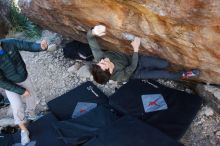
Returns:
(192, 73)
(33, 116)
(24, 137)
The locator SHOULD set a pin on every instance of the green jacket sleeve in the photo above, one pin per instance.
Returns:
(24, 45)
(95, 47)
(125, 74)
(10, 86)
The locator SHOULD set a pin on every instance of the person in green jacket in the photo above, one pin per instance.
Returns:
(14, 78)
(121, 67)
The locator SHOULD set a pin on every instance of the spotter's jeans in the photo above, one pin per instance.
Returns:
(17, 105)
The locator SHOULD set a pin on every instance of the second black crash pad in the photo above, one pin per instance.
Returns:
(174, 121)
(81, 129)
(129, 131)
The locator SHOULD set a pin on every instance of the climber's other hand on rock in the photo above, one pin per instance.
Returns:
(99, 30)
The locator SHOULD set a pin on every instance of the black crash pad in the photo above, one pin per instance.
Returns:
(63, 106)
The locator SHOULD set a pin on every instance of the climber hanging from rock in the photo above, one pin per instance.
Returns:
(120, 67)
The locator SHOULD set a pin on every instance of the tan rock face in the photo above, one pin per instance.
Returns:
(185, 32)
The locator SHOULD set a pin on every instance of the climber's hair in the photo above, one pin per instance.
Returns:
(99, 75)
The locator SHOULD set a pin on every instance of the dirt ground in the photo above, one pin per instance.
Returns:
(49, 75)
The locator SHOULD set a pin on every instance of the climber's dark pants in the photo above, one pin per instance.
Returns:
(153, 68)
